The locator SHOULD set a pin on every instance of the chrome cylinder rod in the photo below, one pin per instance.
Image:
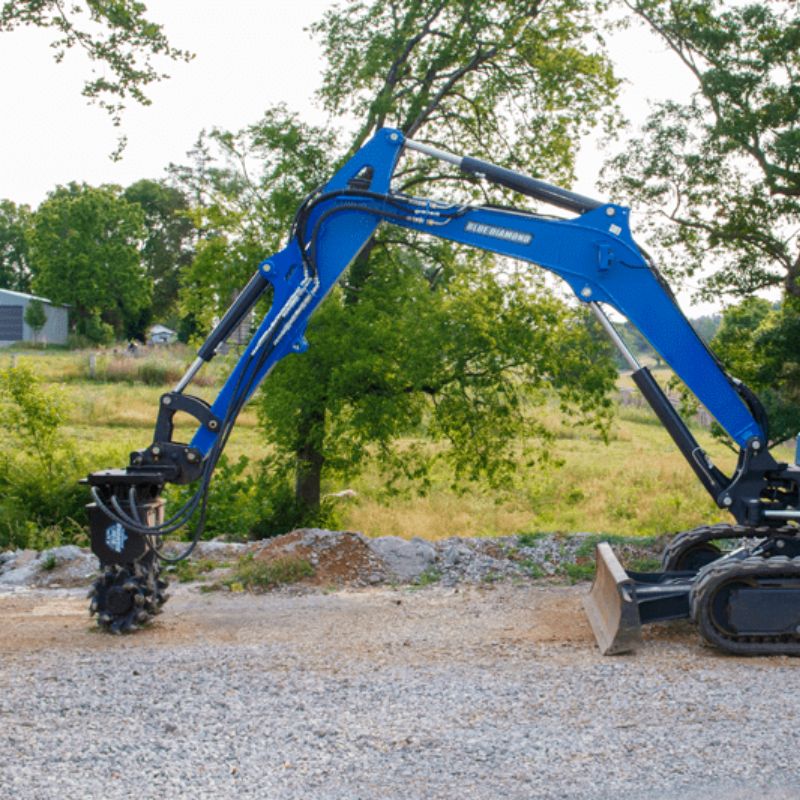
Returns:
(782, 514)
(434, 152)
(615, 337)
(190, 373)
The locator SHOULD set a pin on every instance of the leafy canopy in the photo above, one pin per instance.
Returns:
(114, 34)
(14, 262)
(84, 249)
(721, 174)
(759, 344)
(516, 81)
(244, 189)
(169, 240)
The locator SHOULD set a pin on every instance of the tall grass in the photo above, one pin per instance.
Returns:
(637, 484)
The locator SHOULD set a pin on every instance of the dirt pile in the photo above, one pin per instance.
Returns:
(338, 558)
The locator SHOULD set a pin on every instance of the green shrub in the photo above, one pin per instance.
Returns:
(280, 512)
(248, 502)
(233, 500)
(41, 503)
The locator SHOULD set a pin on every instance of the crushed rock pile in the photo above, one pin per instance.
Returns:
(347, 558)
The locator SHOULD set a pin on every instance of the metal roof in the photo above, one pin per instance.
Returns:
(29, 297)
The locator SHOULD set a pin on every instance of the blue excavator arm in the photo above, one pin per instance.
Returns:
(593, 251)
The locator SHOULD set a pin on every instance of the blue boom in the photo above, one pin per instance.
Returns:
(594, 253)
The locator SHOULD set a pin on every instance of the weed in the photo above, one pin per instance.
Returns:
(49, 562)
(252, 574)
(532, 569)
(583, 571)
(428, 577)
(190, 570)
(530, 539)
(646, 564)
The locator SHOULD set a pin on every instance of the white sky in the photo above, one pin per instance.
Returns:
(250, 54)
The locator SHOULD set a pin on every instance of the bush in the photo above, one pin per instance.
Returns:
(250, 503)
(41, 503)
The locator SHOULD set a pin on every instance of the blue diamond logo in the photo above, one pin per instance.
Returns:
(116, 537)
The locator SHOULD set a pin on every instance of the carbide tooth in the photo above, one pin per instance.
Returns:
(138, 599)
(105, 618)
(142, 616)
(130, 586)
(93, 607)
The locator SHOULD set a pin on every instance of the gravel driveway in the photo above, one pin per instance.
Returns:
(470, 692)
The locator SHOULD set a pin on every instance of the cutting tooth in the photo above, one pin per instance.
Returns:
(138, 599)
(142, 616)
(93, 607)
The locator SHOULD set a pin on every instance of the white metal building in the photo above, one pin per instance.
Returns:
(161, 334)
(13, 327)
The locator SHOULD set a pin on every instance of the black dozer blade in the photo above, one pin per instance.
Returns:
(611, 605)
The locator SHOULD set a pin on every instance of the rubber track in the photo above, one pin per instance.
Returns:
(707, 533)
(716, 575)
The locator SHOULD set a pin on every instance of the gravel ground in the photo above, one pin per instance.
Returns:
(440, 692)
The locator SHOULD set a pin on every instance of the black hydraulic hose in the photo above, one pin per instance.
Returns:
(312, 201)
(366, 210)
(133, 501)
(120, 515)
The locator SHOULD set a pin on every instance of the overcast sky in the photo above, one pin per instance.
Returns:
(250, 54)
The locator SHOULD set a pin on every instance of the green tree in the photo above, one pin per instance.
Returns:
(15, 222)
(36, 316)
(115, 34)
(706, 326)
(168, 246)
(518, 82)
(424, 338)
(244, 188)
(85, 252)
(758, 343)
(720, 175)
(720, 178)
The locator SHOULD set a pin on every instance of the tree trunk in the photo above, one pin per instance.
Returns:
(308, 475)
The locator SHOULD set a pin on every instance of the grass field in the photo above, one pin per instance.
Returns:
(638, 483)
